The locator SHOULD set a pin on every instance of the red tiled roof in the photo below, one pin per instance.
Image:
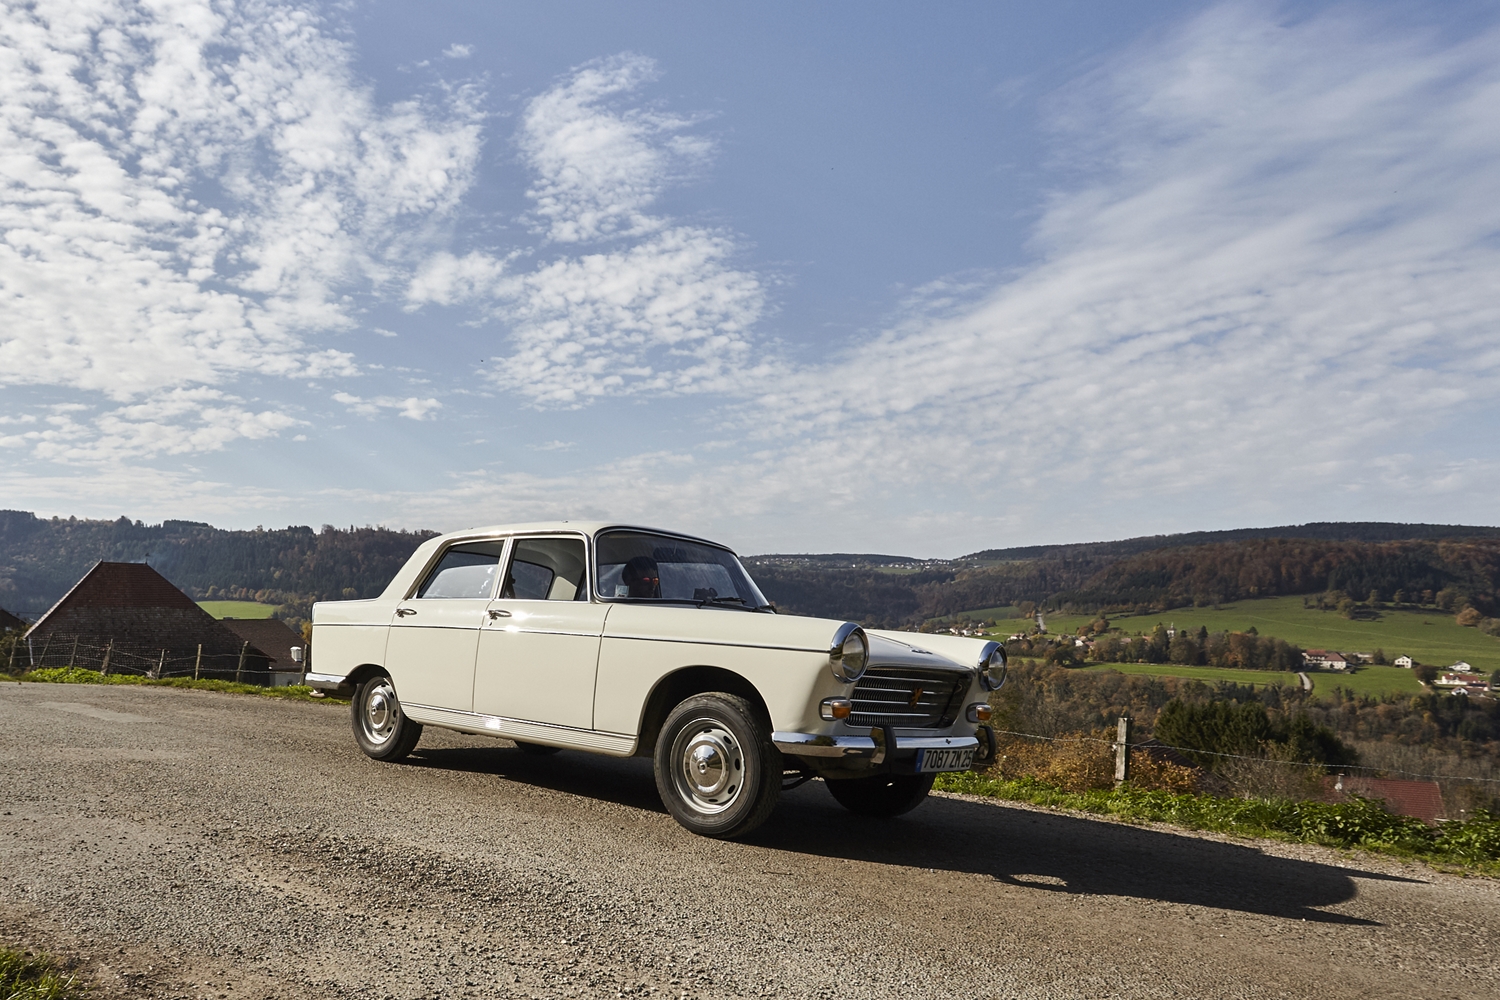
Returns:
(1422, 799)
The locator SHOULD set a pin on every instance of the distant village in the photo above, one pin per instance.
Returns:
(1460, 677)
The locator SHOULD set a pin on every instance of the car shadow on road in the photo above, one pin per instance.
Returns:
(1043, 851)
(626, 782)
(1055, 852)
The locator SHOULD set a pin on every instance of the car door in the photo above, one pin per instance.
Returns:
(435, 632)
(539, 646)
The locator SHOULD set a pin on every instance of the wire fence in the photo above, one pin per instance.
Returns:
(120, 657)
(1148, 745)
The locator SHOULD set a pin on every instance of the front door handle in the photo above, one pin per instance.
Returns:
(403, 612)
(498, 613)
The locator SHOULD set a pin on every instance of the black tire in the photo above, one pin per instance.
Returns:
(717, 771)
(881, 795)
(381, 729)
(536, 749)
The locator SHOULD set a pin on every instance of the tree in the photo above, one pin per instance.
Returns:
(1379, 656)
(1469, 617)
(1426, 673)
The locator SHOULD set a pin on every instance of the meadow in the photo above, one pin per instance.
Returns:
(1428, 635)
(237, 609)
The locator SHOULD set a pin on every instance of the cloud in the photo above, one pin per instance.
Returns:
(658, 308)
(457, 51)
(188, 193)
(1272, 276)
(176, 422)
(599, 169)
(412, 408)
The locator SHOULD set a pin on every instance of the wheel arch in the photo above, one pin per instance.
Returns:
(685, 682)
(364, 672)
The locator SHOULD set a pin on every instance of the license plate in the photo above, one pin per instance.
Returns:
(945, 759)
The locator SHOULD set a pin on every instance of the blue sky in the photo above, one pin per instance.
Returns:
(860, 277)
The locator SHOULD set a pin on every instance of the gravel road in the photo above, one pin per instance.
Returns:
(190, 844)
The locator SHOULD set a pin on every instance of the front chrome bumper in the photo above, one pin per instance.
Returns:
(872, 748)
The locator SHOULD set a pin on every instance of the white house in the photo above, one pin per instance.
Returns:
(1462, 668)
(1405, 662)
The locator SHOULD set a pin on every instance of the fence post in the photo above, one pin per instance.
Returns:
(239, 671)
(160, 662)
(46, 646)
(108, 648)
(1122, 751)
(73, 660)
(197, 661)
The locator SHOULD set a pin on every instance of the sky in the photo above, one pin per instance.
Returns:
(839, 277)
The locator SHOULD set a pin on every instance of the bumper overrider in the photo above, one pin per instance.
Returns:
(882, 747)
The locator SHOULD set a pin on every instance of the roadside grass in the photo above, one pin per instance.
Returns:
(24, 976)
(236, 609)
(1260, 678)
(1471, 846)
(79, 675)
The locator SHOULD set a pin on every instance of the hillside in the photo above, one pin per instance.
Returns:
(41, 558)
(1445, 565)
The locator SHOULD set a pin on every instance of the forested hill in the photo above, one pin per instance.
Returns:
(1454, 565)
(41, 558)
(1448, 564)
(1323, 531)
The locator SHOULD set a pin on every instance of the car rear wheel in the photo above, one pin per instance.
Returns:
(717, 771)
(381, 729)
(881, 795)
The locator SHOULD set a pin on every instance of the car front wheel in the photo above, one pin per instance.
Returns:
(381, 729)
(881, 795)
(717, 770)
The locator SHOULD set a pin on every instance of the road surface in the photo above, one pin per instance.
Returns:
(191, 844)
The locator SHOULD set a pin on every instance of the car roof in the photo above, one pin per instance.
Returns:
(586, 527)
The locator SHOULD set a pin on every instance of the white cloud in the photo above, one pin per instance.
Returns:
(188, 191)
(175, 422)
(599, 169)
(1277, 278)
(412, 407)
(658, 308)
(457, 51)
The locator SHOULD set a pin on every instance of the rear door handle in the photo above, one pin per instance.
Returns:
(497, 613)
(403, 612)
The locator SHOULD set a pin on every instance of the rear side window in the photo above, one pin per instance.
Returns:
(546, 569)
(466, 571)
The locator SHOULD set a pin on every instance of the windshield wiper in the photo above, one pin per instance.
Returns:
(721, 600)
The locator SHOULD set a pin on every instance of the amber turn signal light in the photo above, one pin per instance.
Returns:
(835, 708)
(979, 712)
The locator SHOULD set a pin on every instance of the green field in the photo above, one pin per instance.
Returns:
(1209, 674)
(237, 609)
(1368, 680)
(1430, 636)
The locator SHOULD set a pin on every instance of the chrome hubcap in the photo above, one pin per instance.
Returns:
(381, 712)
(710, 767)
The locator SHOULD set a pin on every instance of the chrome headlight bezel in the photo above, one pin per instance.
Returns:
(849, 653)
(993, 667)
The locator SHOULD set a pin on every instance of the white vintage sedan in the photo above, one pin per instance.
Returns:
(629, 641)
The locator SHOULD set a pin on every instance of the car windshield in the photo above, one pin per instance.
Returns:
(641, 566)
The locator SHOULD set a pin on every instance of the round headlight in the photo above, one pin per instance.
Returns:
(850, 653)
(992, 668)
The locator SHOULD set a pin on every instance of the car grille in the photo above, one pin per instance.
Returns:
(911, 699)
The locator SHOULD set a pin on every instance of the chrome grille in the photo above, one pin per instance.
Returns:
(909, 698)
